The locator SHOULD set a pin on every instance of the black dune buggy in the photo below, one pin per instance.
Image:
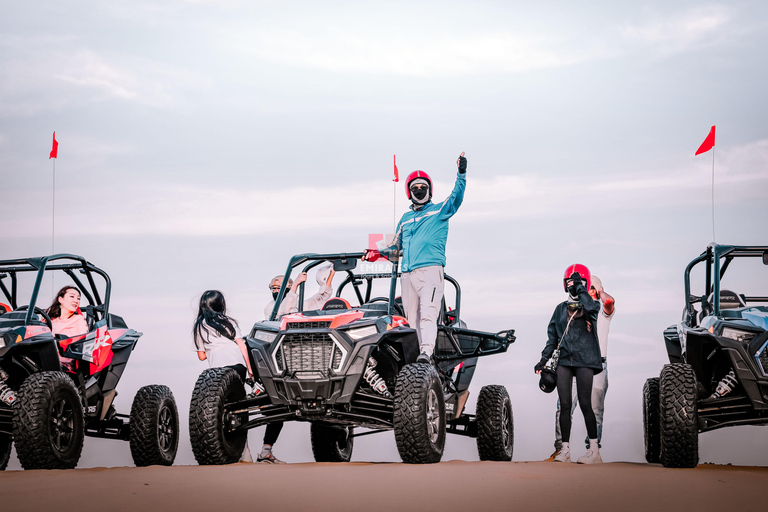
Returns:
(345, 367)
(47, 409)
(718, 355)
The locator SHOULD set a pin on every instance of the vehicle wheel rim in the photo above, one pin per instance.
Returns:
(62, 424)
(505, 425)
(165, 429)
(433, 416)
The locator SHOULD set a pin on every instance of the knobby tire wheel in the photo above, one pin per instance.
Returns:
(48, 424)
(331, 443)
(679, 416)
(495, 424)
(651, 421)
(154, 427)
(419, 414)
(212, 443)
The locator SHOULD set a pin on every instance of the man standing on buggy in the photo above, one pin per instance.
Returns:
(420, 239)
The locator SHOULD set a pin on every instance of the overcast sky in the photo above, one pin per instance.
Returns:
(202, 143)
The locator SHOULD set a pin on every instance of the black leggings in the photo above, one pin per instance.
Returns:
(583, 392)
(273, 429)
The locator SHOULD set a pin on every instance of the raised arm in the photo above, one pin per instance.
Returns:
(609, 304)
(451, 205)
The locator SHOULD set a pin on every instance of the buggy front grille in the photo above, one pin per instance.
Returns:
(310, 354)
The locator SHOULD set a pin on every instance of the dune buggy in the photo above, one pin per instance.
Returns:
(346, 367)
(47, 409)
(717, 374)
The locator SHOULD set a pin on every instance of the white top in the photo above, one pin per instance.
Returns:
(603, 325)
(219, 350)
(291, 299)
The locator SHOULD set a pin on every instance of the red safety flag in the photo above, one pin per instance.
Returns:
(55, 148)
(708, 143)
(397, 174)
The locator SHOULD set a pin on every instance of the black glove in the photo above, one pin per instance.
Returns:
(576, 288)
(540, 365)
(462, 165)
(577, 285)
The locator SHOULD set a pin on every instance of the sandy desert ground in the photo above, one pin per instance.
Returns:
(370, 487)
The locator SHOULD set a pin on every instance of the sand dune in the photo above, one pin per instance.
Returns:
(369, 487)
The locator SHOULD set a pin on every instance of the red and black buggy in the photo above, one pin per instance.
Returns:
(351, 366)
(45, 409)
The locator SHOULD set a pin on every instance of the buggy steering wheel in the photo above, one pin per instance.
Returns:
(395, 307)
(38, 311)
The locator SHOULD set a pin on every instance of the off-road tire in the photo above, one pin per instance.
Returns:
(6, 441)
(48, 423)
(331, 443)
(679, 416)
(495, 424)
(154, 427)
(651, 422)
(211, 443)
(419, 414)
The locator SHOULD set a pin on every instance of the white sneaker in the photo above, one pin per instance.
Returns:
(591, 457)
(563, 456)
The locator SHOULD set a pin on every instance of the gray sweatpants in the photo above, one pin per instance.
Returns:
(422, 292)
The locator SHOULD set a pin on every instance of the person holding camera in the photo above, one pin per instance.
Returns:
(420, 239)
(573, 331)
(600, 382)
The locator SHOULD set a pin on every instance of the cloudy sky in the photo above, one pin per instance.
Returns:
(203, 143)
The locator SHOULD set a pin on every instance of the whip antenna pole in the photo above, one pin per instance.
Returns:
(54, 154)
(713, 194)
(53, 222)
(53, 207)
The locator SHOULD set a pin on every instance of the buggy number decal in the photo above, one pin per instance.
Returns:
(98, 351)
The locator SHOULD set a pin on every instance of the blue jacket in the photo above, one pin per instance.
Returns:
(421, 234)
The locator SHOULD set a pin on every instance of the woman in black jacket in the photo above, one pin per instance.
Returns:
(574, 327)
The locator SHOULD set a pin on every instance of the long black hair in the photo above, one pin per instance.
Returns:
(54, 310)
(213, 311)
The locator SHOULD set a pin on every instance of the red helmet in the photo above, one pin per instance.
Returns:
(413, 176)
(583, 272)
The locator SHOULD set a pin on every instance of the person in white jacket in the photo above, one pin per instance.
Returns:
(324, 277)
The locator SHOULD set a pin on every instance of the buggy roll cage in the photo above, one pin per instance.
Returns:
(70, 264)
(715, 268)
(346, 262)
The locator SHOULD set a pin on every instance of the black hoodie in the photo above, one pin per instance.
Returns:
(579, 347)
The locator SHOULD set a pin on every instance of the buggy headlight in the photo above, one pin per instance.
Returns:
(362, 332)
(736, 334)
(267, 336)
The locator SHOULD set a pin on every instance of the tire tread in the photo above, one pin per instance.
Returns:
(411, 436)
(679, 417)
(490, 443)
(145, 414)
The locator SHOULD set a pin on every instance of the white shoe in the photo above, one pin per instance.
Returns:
(591, 457)
(563, 456)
